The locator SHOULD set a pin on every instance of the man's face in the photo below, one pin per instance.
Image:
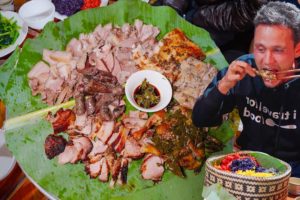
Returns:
(274, 50)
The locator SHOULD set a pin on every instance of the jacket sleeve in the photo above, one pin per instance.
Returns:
(210, 107)
(234, 15)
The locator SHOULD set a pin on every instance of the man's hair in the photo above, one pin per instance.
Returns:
(280, 13)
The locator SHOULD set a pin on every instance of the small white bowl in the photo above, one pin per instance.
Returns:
(37, 13)
(154, 78)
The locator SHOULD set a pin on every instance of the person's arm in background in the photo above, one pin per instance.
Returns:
(234, 15)
(218, 98)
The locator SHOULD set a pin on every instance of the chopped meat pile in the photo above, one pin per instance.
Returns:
(193, 79)
(97, 131)
(105, 147)
(174, 48)
(107, 49)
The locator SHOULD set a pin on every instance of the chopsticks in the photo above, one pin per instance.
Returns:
(288, 77)
(287, 74)
(280, 75)
(288, 71)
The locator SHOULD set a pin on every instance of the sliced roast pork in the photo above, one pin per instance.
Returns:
(62, 120)
(77, 149)
(152, 168)
(132, 149)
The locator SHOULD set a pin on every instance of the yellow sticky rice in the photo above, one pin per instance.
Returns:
(253, 173)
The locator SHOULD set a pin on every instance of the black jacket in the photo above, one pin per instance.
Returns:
(221, 15)
(270, 117)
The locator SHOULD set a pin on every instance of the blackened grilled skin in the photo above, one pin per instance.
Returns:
(54, 145)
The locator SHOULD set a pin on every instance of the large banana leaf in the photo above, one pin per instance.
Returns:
(26, 129)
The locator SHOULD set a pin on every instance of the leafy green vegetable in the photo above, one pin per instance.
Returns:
(9, 31)
(27, 141)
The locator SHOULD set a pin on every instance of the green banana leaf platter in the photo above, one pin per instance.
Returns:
(26, 127)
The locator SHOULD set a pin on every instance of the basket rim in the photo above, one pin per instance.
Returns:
(253, 178)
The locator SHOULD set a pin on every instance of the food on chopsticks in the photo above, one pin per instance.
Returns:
(9, 31)
(67, 7)
(146, 95)
(266, 74)
(244, 164)
(99, 131)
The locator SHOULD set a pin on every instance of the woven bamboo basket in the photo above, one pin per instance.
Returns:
(250, 187)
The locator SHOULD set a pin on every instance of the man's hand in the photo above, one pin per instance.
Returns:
(237, 70)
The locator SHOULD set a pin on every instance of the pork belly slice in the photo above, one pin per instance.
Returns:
(64, 70)
(87, 129)
(80, 120)
(115, 170)
(75, 47)
(134, 123)
(77, 149)
(101, 65)
(156, 118)
(118, 111)
(117, 67)
(85, 146)
(116, 108)
(123, 76)
(62, 97)
(106, 131)
(54, 83)
(122, 178)
(93, 169)
(54, 57)
(147, 32)
(152, 168)
(39, 69)
(138, 114)
(89, 41)
(104, 172)
(114, 139)
(98, 148)
(69, 155)
(121, 144)
(109, 62)
(103, 32)
(62, 120)
(138, 24)
(132, 149)
(54, 145)
(83, 124)
(49, 96)
(81, 62)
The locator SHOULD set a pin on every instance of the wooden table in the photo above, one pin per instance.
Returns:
(17, 186)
